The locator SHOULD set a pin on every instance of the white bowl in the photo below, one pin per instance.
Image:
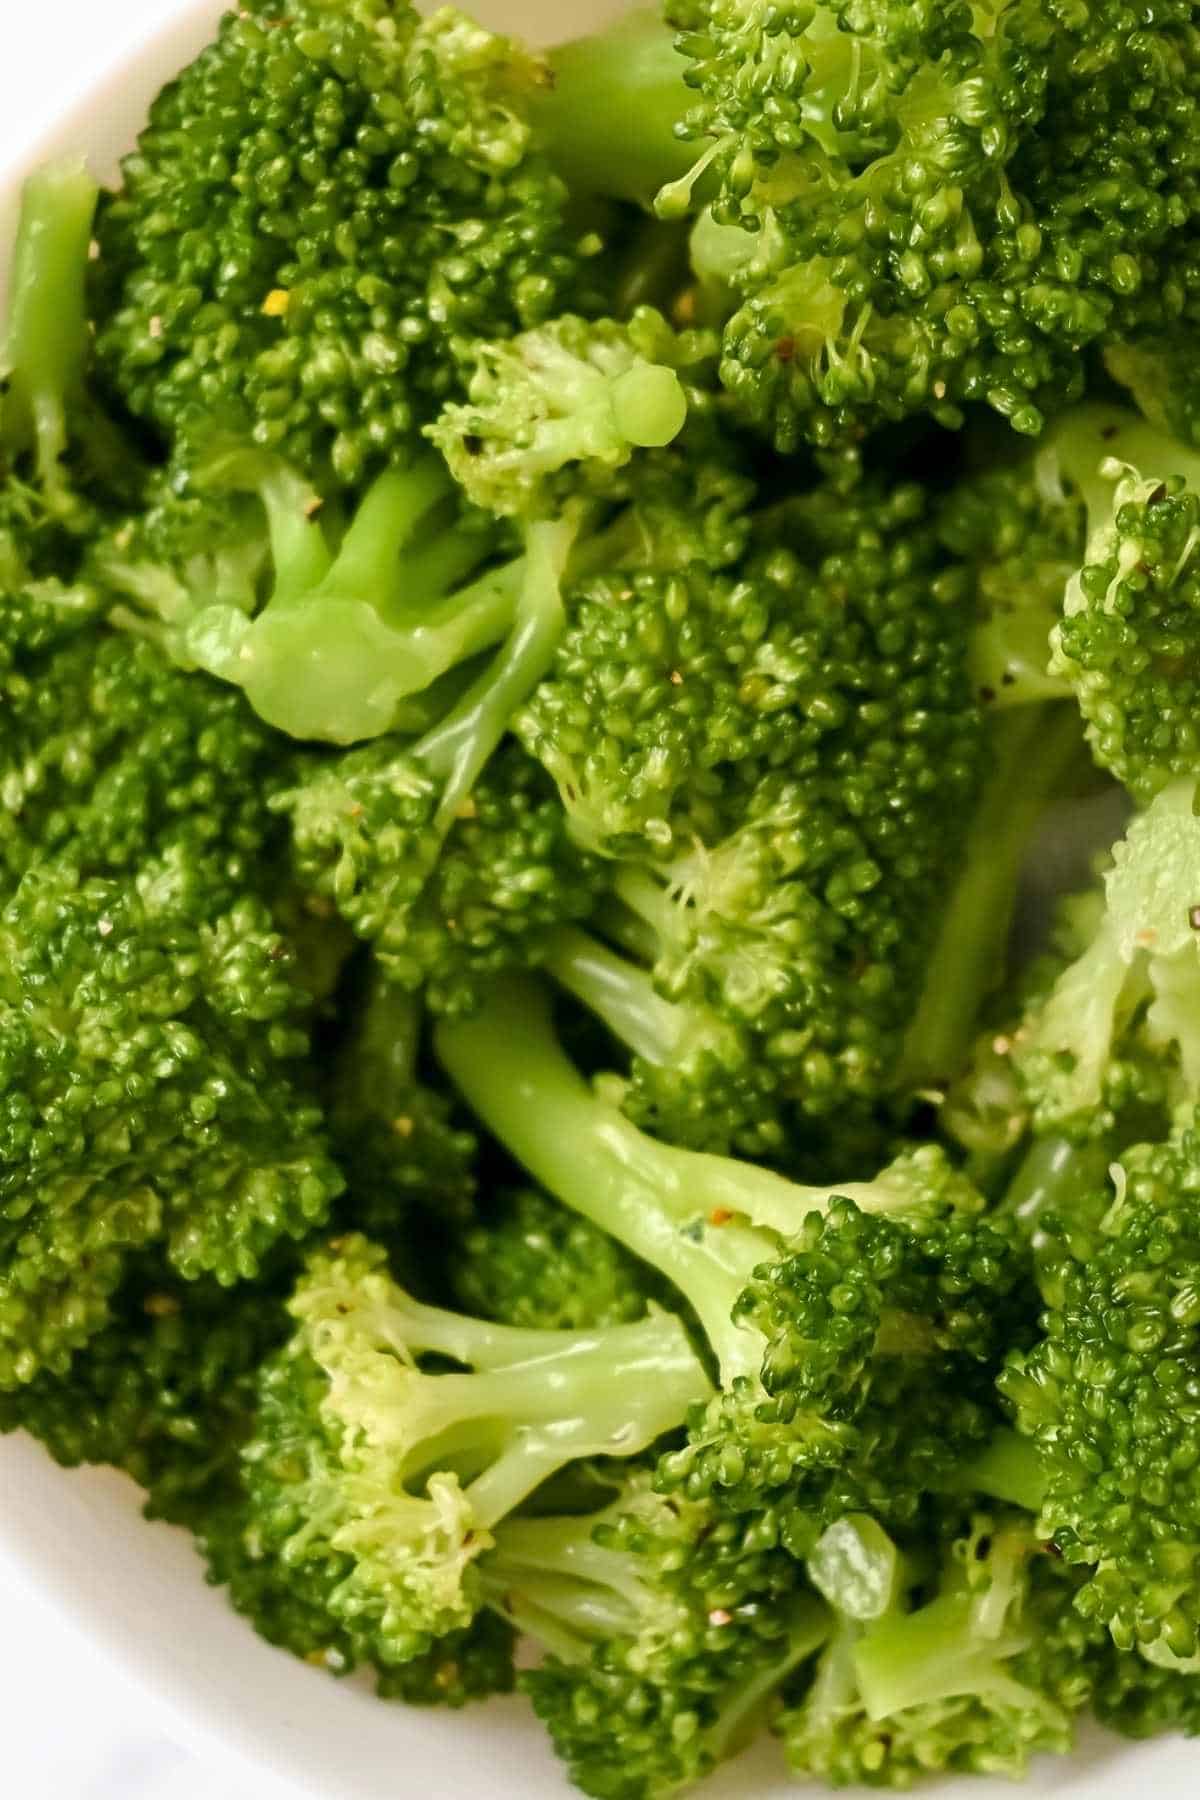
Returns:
(136, 1589)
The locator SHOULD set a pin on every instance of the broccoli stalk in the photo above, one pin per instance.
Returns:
(48, 419)
(978, 1677)
(407, 1471)
(694, 1077)
(1033, 750)
(610, 114)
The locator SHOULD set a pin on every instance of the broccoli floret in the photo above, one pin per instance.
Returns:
(1105, 1394)
(570, 392)
(763, 1278)
(1125, 639)
(530, 1262)
(165, 1391)
(112, 757)
(1117, 1029)
(154, 1096)
(330, 203)
(776, 751)
(920, 209)
(977, 1676)
(668, 1632)
(380, 1483)
(445, 895)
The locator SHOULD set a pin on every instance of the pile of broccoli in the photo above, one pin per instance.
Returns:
(561, 616)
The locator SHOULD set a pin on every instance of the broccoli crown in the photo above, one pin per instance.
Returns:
(166, 1390)
(763, 1278)
(1125, 638)
(571, 392)
(114, 758)
(508, 869)
(729, 737)
(668, 1631)
(530, 1262)
(322, 209)
(1104, 1394)
(973, 1671)
(353, 1472)
(969, 206)
(114, 991)
(881, 1336)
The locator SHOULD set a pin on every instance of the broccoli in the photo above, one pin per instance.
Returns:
(1124, 640)
(350, 630)
(970, 205)
(1118, 1022)
(571, 392)
(725, 736)
(1105, 1394)
(855, 1329)
(113, 993)
(165, 1392)
(324, 209)
(973, 1670)
(667, 1630)
(382, 1483)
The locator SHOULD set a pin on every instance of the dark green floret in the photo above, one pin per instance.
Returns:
(324, 210)
(1107, 1395)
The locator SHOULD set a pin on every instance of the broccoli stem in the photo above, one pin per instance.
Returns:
(937, 1653)
(45, 341)
(619, 993)
(579, 1394)
(1057, 1172)
(457, 750)
(551, 1572)
(1008, 1468)
(742, 1706)
(1031, 751)
(673, 1208)
(608, 118)
(1089, 439)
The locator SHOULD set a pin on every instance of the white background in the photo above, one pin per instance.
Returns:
(74, 1729)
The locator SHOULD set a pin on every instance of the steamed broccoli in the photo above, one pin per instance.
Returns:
(1106, 1394)
(324, 209)
(381, 1483)
(847, 1343)
(976, 1669)
(552, 1112)
(668, 1631)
